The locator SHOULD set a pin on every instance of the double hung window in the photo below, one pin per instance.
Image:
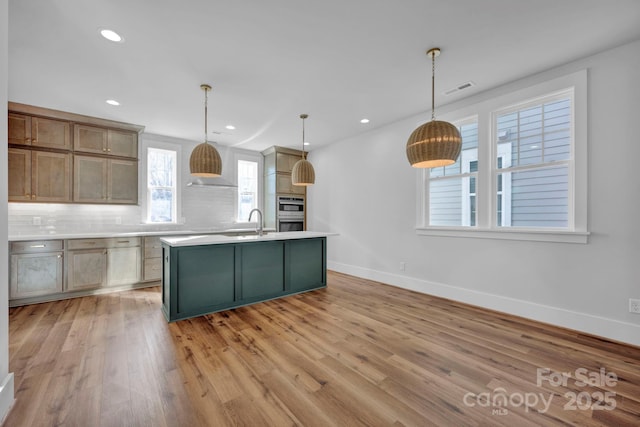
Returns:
(521, 173)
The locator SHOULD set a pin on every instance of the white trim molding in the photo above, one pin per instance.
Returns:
(6, 396)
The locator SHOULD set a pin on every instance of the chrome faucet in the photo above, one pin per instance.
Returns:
(259, 224)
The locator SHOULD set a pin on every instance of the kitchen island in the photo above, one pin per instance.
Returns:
(208, 273)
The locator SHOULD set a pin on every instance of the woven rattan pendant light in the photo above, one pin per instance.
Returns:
(435, 143)
(302, 172)
(205, 160)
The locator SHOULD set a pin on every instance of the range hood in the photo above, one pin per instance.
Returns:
(211, 182)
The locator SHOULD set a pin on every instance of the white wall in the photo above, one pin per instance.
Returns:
(6, 378)
(366, 191)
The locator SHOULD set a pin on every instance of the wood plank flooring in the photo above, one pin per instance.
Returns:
(358, 353)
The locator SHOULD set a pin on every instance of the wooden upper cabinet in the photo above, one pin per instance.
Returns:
(89, 179)
(112, 142)
(19, 174)
(104, 180)
(50, 176)
(89, 139)
(50, 133)
(122, 143)
(285, 162)
(39, 176)
(19, 129)
(122, 181)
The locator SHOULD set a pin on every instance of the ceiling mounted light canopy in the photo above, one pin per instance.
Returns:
(205, 160)
(302, 172)
(436, 143)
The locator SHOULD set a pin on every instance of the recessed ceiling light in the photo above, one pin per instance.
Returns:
(112, 102)
(307, 143)
(364, 121)
(230, 127)
(111, 35)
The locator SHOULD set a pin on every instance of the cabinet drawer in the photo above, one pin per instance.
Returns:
(153, 269)
(122, 242)
(36, 246)
(86, 244)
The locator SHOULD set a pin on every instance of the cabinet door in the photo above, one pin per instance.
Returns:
(19, 129)
(284, 185)
(86, 269)
(307, 264)
(89, 139)
(122, 143)
(19, 174)
(35, 274)
(90, 179)
(123, 181)
(51, 176)
(262, 269)
(123, 266)
(285, 162)
(50, 133)
(152, 269)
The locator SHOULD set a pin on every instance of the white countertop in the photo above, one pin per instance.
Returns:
(217, 239)
(107, 234)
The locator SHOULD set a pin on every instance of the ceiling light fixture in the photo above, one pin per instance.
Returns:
(302, 172)
(112, 102)
(205, 160)
(230, 127)
(435, 143)
(111, 35)
(364, 121)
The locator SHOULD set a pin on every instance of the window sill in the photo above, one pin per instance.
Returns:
(556, 236)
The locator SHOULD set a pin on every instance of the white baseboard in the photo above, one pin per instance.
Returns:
(6, 396)
(594, 325)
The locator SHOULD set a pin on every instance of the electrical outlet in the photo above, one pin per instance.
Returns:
(118, 220)
(402, 266)
(634, 305)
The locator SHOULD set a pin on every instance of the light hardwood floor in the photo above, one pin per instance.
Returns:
(356, 354)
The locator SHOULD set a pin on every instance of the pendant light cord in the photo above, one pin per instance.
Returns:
(206, 99)
(433, 86)
(303, 116)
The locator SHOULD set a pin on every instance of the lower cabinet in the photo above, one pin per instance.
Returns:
(86, 269)
(152, 259)
(39, 270)
(36, 268)
(123, 266)
(203, 279)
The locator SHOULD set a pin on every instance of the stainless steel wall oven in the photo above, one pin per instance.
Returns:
(290, 214)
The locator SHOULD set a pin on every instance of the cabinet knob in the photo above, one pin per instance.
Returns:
(33, 141)
(33, 196)
(60, 256)
(109, 149)
(104, 149)
(27, 139)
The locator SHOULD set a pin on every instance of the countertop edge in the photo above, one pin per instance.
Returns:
(203, 240)
(108, 234)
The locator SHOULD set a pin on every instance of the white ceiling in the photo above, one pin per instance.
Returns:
(269, 61)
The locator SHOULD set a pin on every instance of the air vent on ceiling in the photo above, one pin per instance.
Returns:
(458, 88)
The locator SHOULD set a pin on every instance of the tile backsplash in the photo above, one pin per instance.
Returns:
(202, 208)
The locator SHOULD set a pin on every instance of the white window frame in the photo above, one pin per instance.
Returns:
(486, 183)
(250, 156)
(161, 143)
